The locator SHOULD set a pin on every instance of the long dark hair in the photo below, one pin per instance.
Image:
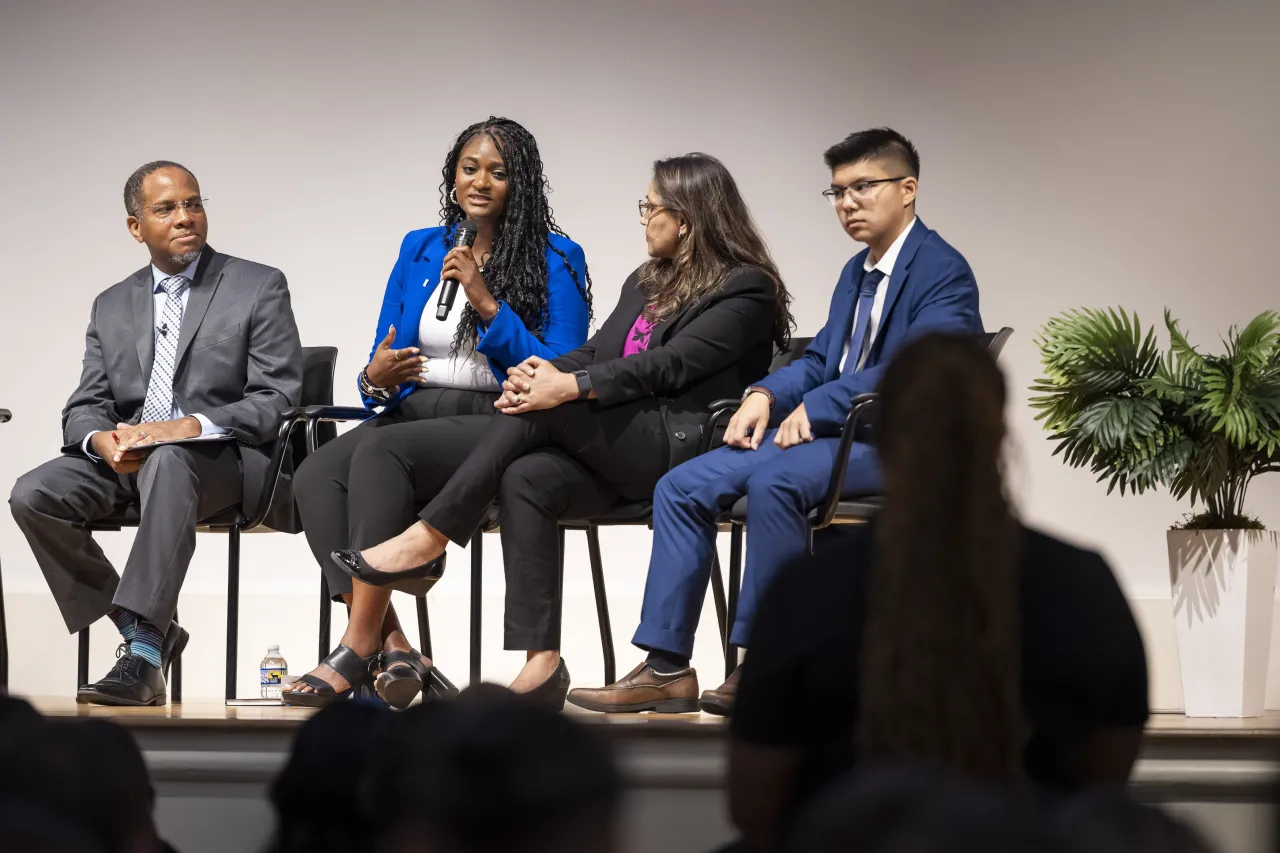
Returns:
(941, 661)
(516, 272)
(722, 236)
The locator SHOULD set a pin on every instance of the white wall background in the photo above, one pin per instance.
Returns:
(1089, 153)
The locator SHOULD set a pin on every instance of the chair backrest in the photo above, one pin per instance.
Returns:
(797, 348)
(995, 341)
(318, 366)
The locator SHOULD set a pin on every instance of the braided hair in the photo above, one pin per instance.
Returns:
(940, 682)
(516, 271)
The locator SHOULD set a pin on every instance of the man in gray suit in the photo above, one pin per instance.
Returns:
(195, 344)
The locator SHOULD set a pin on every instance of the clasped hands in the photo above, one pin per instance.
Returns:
(116, 447)
(748, 424)
(535, 384)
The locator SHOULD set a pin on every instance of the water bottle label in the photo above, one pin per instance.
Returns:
(271, 674)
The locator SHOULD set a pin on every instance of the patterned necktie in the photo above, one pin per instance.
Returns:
(159, 403)
(866, 301)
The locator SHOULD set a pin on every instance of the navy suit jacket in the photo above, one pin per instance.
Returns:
(504, 341)
(931, 289)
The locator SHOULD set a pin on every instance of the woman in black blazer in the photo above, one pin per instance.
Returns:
(697, 322)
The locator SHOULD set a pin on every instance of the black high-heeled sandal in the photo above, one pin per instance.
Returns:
(343, 660)
(403, 676)
(415, 581)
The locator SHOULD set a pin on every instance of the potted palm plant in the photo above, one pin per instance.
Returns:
(1202, 426)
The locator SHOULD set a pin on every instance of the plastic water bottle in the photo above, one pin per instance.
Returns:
(272, 670)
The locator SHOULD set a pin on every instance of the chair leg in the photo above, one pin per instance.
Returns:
(735, 584)
(717, 595)
(82, 659)
(233, 608)
(424, 627)
(4, 647)
(477, 596)
(326, 619)
(602, 603)
(175, 680)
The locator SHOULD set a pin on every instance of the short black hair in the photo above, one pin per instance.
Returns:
(133, 186)
(878, 143)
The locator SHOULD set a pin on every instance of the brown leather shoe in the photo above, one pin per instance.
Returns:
(642, 689)
(720, 700)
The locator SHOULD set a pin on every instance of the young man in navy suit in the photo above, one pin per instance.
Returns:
(906, 282)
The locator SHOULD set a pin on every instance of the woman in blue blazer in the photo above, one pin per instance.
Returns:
(523, 291)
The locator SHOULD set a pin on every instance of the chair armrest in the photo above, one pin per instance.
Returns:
(863, 406)
(720, 409)
(329, 413)
(289, 421)
(5, 416)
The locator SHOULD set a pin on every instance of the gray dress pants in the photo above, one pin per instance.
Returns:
(177, 486)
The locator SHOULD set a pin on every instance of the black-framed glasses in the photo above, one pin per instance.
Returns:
(194, 206)
(648, 208)
(859, 190)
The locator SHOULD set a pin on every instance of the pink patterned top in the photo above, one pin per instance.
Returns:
(638, 340)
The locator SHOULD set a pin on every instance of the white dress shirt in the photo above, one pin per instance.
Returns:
(207, 427)
(885, 265)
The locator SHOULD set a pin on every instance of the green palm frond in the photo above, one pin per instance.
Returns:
(1199, 425)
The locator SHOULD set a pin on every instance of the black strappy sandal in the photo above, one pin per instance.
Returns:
(415, 581)
(345, 662)
(403, 676)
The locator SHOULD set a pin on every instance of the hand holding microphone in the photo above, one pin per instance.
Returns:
(460, 268)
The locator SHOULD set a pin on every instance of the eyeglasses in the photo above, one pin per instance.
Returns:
(648, 208)
(194, 206)
(860, 191)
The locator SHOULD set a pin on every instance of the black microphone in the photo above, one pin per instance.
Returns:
(164, 329)
(464, 236)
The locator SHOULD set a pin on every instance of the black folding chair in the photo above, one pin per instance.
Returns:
(641, 513)
(5, 417)
(833, 509)
(317, 388)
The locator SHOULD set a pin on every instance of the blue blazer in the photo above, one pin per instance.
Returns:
(931, 289)
(504, 341)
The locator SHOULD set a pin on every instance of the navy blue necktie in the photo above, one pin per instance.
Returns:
(862, 322)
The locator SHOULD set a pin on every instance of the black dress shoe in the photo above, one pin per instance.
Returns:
(133, 681)
(415, 581)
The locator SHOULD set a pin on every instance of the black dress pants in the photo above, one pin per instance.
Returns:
(364, 487)
(573, 460)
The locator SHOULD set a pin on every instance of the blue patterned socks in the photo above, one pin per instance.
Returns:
(126, 623)
(147, 643)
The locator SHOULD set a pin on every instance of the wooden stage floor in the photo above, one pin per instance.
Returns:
(214, 714)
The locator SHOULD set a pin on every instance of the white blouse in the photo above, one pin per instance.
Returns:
(467, 369)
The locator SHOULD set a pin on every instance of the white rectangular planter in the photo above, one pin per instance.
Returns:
(1224, 585)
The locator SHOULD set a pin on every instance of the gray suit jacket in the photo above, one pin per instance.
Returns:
(239, 363)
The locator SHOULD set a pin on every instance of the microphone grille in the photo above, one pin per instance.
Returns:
(466, 233)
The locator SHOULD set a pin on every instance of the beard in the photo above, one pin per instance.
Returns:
(186, 259)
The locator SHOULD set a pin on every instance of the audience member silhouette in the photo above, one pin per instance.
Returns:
(316, 795)
(90, 772)
(944, 634)
(492, 772)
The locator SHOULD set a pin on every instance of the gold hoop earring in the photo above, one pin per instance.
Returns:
(453, 195)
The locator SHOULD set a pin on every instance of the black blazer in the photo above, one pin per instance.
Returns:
(708, 351)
